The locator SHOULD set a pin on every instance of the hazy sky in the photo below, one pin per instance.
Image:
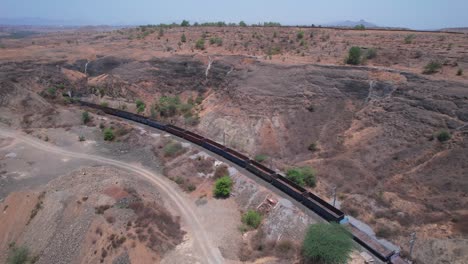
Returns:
(420, 14)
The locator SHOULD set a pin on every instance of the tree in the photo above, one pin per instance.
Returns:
(432, 67)
(327, 243)
(242, 24)
(108, 134)
(85, 117)
(443, 136)
(185, 23)
(302, 176)
(18, 256)
(183, 38)
(252, 218)
(300, 34)
(222, 187)
(140, 105)
(200, 44)
(354, 56)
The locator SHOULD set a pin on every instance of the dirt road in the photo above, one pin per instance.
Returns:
(209, 253)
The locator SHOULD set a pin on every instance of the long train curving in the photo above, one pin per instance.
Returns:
(308, 199)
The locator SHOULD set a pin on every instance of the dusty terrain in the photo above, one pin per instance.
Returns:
(264, 92)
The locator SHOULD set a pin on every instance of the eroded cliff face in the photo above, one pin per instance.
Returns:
(374, 130)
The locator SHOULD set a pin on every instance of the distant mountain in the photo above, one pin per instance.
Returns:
(349, 23)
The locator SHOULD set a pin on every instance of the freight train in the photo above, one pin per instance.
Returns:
(308, 199)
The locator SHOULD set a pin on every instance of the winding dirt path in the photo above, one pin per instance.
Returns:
(209, 253)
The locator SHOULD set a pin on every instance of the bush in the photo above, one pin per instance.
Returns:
(302, 176)
(185, 23)
(140, 105)
(443, 136)
(261, 158)
(300, 34)
(460, 72)
(167, 106)
(354, 56)
(105, 104)
(52, 91)
(313, 147)
(173, 149)
(81, 138)
(183, 38)
(18, 255)
(242, 24)
(432, 67)
(191, 188)
(108, 134)
(409, 38)
(85, 117)
(216, 40)
(252, 218)
(222, 187)
(327, 243)
(200, 44)
(371, 53)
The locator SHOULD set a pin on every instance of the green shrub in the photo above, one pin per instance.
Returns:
(183, 38)
(85, 117)
(313, 147)
(302, 176)
(105, 104)
(327, 243)
(371, 53)
(222, 187)
(242, 24)
(300, 34)
(108, 134)
(432, 67)
(216, 40)
(52, 91)
(81, 138)
(191, 187)
(140, 105)
(185, 23)
(409, 38)
(168, 106)
(261, 158)
(200, 44)
(354, 56)
(18, 255)
(252, 218)
(460, 72)
(173, 149)
(443, 136)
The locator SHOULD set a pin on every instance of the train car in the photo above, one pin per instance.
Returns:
(370, 244)
(156, 124)
(213, 146)
(322, 208)
(175, 130)
(236, 157)
(262, 171)
(289, 187)
(193, 137)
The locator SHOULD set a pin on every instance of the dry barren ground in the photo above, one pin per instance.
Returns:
(373, 128)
